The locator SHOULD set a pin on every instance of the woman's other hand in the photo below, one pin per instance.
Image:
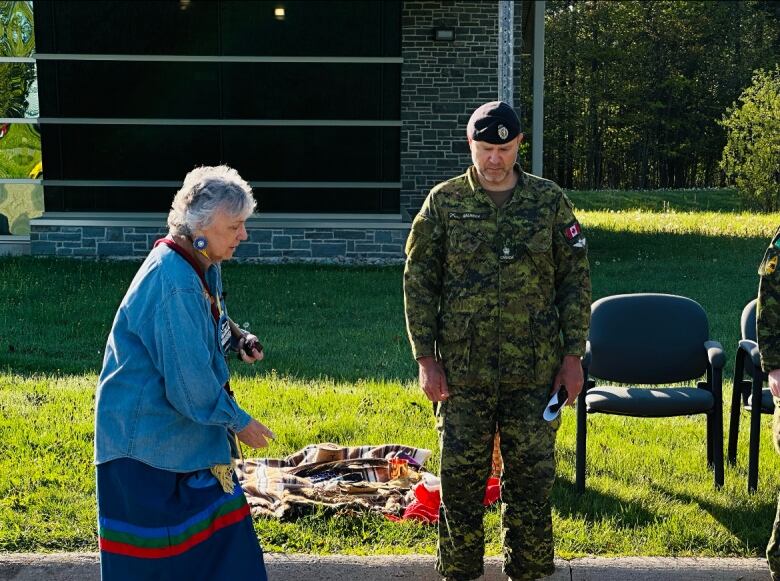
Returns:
(255, 354)
(256, 435)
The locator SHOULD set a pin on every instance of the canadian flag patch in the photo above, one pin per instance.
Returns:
(571, 231)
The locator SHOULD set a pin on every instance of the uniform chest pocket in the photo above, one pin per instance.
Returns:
(539, 242)
(539, 249)
(463, 241)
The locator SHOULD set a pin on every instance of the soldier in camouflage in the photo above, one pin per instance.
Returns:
(768, 333)
(497, 300)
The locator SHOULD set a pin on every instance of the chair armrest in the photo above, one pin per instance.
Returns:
(586, 359)
(751, 348)
(715, 354)
(588, 383)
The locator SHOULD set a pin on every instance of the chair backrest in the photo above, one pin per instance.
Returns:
(748, 322)
(648, 338)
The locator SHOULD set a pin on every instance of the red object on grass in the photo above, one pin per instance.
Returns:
(425, 506)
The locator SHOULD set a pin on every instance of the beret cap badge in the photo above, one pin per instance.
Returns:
(494, 122)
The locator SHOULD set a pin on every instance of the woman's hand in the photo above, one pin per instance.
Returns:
(255, 354)
(256, 435)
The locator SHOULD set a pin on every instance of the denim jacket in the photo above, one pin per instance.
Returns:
(160, 398)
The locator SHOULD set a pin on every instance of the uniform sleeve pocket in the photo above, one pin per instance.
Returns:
(421, 229)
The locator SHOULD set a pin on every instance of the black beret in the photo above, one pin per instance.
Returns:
(494, 122)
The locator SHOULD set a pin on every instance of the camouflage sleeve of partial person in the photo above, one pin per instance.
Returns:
(768, 307)
(572, 278)
(423, 279)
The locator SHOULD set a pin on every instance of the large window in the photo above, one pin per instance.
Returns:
(301, 97)
(347, 28)
(183, 90)
(21, 195)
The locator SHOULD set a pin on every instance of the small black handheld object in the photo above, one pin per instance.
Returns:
(251, 345)
(557, 401)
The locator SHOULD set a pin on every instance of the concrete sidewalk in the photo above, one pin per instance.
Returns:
(298, 567)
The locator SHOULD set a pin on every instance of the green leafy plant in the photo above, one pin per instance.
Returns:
(751, 157)
(16, 40)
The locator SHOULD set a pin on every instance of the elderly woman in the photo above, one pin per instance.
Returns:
(169, 504)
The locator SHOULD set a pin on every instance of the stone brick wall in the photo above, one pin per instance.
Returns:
(94, 241)
(324, 243)
(378, 245)
(441, 84)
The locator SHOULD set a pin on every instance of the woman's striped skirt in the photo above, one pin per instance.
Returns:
(155, 524)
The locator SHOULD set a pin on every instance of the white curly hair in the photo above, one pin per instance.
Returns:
(206, 190)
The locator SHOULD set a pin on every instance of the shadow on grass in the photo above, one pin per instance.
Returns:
(594, 506)
(341, 323)
(751, 523)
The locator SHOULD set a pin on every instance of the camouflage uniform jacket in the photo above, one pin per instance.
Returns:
(768, 307)
(497, 294)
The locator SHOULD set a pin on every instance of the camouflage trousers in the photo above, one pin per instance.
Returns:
(467, 422)
(773, 548)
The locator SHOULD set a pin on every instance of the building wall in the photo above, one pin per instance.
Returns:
(441, 84)
(371, 244)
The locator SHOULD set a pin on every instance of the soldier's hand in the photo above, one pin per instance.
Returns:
(433, 380)
(774, 382)
(570, 375)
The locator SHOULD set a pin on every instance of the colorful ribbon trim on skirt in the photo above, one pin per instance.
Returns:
(159, 542)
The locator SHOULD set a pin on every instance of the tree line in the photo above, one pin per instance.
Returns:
(635, 91)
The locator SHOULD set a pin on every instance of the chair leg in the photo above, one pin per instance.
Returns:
(710, 423)
(755, 427)
(735, 412)
(582, 425)
(717, 434)
(736, 407)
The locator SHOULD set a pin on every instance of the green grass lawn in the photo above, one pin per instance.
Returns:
(697, 200)
(339, 369)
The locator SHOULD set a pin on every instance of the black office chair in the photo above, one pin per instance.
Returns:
(746, 391)
(652, 339)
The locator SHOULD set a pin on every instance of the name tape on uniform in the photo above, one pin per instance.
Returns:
(468, 216)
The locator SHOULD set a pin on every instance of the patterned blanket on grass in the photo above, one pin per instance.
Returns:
(345, 479)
